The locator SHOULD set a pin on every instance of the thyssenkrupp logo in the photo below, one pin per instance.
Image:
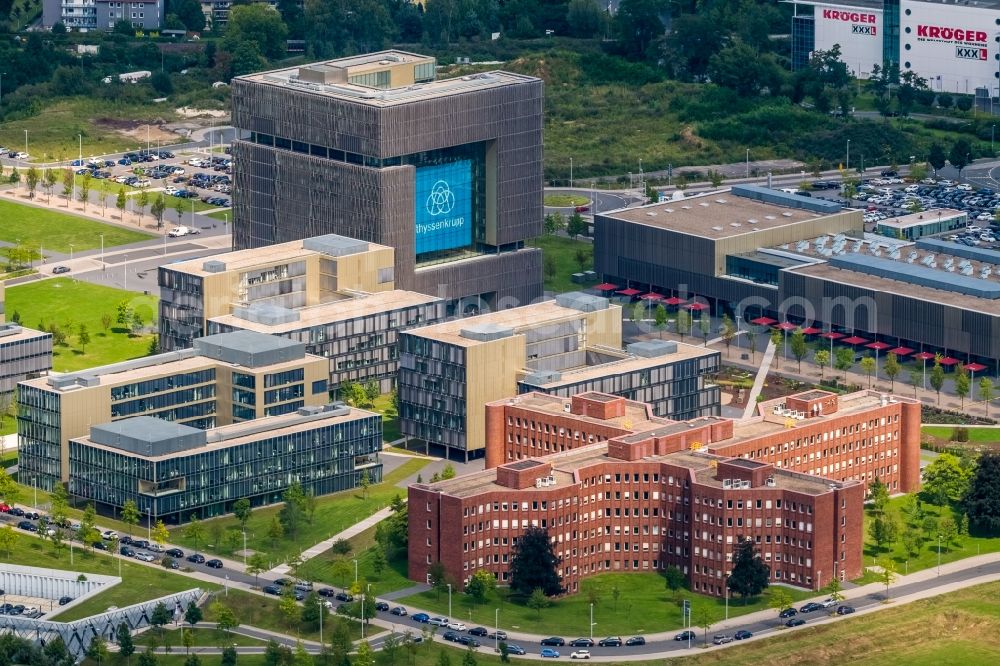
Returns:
(441, 199)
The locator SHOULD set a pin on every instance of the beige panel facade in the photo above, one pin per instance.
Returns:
(491, 374)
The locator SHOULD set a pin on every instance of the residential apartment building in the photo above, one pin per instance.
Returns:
(336, 295)
(449, 371)
(223, 379)
(87, 15)
(173, 471)
(24, 353)
(448, 172)
(621, 490)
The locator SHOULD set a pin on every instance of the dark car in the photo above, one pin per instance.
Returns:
(299, 596)
(326, 592)
(123, 162)
(423, 618)
(283, 581)
(686, 636)
(553, 640)
(479, 631)
(174, 552)
(469, 641)
(787, 613)
(581, 209)
(515, 649)
(450, 636)
(498, 635)
(126, 551)
(214, 564)
(341, 596)
(889, 173)
(381, 606)
(26, 525)
(810, 607)
(581, 642)
(845, 610)
(196, 558)
(125, 540)
(795, 622)
(398, 610)
(742, 635)
(99, 545)
(610, 641)
(635, 640)
(65, 600)
(140, 543)
(272, 589)
(17, 511)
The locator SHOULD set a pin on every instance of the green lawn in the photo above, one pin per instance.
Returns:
(221, 215)
(334, 514)
(393, 577)
(390, 419)
(205, 637)
(69, 303)
(563, 252)
(955, 629)
(565, 200)
(963, 547)
(57, 231)
(139, 582)
(984, 435)
(259, 611)
(644, 605)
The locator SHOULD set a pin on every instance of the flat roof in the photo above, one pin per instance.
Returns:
(877, 4)
(17, 333)
(519, 319)
(349, 92)
(340, 310)
(714, 215)
(627, 363)
(377, 60)
(638, 416)
(921, 218)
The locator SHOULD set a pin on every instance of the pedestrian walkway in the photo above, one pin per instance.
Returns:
(758, 382)
(323, 546)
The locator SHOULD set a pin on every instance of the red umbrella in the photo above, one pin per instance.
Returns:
(832, 335)
(606, 286)
(878, 346)
(763, 321)
(651, 296)
(785, 326)
(628, 292)
(923, 356)
(901, 351)
(811, 330)
(948, 361)
(696, 306)
(975, 367)
(854, 340)
(673, 300)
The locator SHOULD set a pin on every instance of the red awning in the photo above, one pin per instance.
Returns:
(832, 335)
(606, 286)
(652, 296)
(673, 300)
(901, 351)
(628, 292)
(923, 356)
(786, 326)
(948, 360)
(696, 306)
(975, 367)
(854, 340)
(878, 346)
(811, 330)
(763, 321)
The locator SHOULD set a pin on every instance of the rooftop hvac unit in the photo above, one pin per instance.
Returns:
(539, 483)
(727, 483)
(770, 482)
(802, 245)
(967, 270)
(745, 484)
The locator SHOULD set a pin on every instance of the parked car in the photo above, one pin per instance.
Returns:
(515, 649)
(344, 596)
(450, 636)
(174, 552)
(610, 641)
(635, 640)
(126, 551)
(65, 600)
(549, 653)
(470, 641)
(553, 640)
(214, 564)
(795, 622)
(580, 654)
(721, 639)
(423, 618)
(581, 209)
(845, 610)
(582, 642)
(381, 606)
(398, 610)
(810, 607)
(27, 525)
(828, 603)
(742, 635)
(196, 558)
(110, 535)
(686, 636)
(787, 613)
(59, 270)
(438, 621)
(145, 557)
(326, 592)
(499, 635)
(478, 631)
(272, 589)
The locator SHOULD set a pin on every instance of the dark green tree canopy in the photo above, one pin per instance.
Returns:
(750, 576)
(534, 564)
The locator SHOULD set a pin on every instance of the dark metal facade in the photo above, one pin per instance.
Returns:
(287, 194)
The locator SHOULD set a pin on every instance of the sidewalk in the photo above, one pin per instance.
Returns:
(323, 546)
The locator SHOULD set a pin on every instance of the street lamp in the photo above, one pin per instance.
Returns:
(102, 248)
(496, 627)
(939, 556)
(848, 166)
(571, 172)
(591, 621)
(355, 571)
(322, 608)
(449, 600)
(25, 143)
(71, 252)
(748, 162)
(245, 551)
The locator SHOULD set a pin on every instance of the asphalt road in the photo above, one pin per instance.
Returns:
(599, 201)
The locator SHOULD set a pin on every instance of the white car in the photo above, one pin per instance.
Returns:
(145, 557)
(457, 626)
(110, 535)
(580, 654)
(142, 182)
(22, 156)
(170, 189)
(972, 229)
(179, 171)
(177, 232)
(965, 187)
(984, 217)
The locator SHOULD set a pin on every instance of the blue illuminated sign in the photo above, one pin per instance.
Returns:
(443, 217)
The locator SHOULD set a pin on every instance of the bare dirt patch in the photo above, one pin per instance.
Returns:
(188, 112)
(137, 130)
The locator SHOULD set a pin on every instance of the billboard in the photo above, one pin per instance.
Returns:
(953, 47)
(443, 204)
(857, 31)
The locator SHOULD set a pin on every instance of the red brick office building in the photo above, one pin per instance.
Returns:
(620, 491)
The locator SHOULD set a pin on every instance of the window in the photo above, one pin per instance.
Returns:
(319, 387)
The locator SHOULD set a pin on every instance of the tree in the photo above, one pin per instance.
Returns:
(83, 336)
(744, 69)
(798, 346)
(960, 155)
(178, 206)
(225, 618)
(312, 610)
(120, 202)
(84, 195)
(481, 584)
(833, 590)
(88, 529)
(448, 472)
(683, 322)
(891, 369)
(749, 576)
(341, 570)
(537, 600)
(638, 25)
(59, 505)
(293, 511)
(9, 489)
(49, 181)
(147, 658)
(157, 209)
(31, 178)
(68, 183)
(986, 392)
(822, 358)
(534, 564)
(242, 510)
(868, 366)
(660, 318)
(259, 24)
(878, 494)
(946, 480)
(126, 647)
(844, 360)
(550, 267)
(130, 515)
(277, 655)
(675, 578)
(962, 386)
(912, 542)
(8, 539)
(554, 223)
(390, 648)
(887, 573)
(780, 600)
(228, 656)
(365, 483)
(97, 650)
(257, 564)
(936, 157)
(948, 531)
(378, 562)
(982, 501)
(160, 616)
(577, 226)
(193, 614)
(728, 332)
(195, 531)
(583, 256)
(585, 18)
(883, 529)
